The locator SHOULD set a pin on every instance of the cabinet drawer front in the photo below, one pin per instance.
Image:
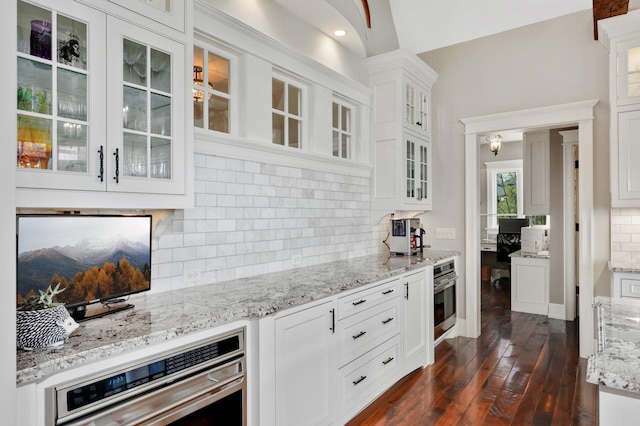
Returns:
(370, 375)
(361, 333)
(362, 300)
(630, 288)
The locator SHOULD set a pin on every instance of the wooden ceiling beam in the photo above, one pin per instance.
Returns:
(605, 9)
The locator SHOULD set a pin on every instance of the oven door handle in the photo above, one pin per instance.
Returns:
(442, 286)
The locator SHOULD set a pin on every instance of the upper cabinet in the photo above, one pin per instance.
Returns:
(537, 172)
(170, 13)
(621, 35)
(401, 132)
(101, 110)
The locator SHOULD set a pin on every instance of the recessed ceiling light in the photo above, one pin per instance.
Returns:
(340, 33)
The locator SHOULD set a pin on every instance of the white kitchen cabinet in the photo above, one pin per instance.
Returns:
(625, 284)
(621, 35)
(169, 13)
(417, 323)
(100, 111)
(401, 129)
(305, 366)
(537, 172)
(530, 285)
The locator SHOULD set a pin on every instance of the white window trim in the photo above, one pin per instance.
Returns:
(304, 143)
(493, 169)
(343, 103)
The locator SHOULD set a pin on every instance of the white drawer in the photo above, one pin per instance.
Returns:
(360, 333)
(357, 302)
(630, 287)
(369, 376)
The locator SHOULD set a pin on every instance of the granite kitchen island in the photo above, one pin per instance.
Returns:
(615, 367)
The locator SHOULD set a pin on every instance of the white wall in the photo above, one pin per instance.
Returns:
(549, 63)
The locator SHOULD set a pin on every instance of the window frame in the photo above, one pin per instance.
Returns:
(493, 169)
(350, 132)
(303, 116)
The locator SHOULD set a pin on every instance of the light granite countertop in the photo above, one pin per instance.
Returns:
(616, 364)
(163, 316)
(539, 255)
(624, 266)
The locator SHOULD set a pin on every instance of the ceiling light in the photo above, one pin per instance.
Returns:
(340, 33)
(495, 143)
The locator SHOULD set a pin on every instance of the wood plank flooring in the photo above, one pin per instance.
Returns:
(524, 369)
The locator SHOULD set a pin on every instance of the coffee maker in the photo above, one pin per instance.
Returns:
(406, 236)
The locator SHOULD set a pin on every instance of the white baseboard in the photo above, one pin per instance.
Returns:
(557, 311)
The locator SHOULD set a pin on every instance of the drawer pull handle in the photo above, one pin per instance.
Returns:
(359, 302)
(387, 361)
(357, 336)
(358, 381)
(388, 291)
(387, 321)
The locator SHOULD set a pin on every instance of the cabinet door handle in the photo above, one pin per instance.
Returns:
(387, 321)
(359, 335)
(359, 302)
(101, 152)
(388, 360)
(117, 176)
(419, 123)
(359, 380)
(333, 321)
(388, 291)
(406, 290)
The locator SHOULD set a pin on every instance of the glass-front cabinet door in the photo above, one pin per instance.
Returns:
(59, 95)
(146, 87)
(416, 115)
(417, 184)
(629, 72)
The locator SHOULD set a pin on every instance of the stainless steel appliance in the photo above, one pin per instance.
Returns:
(406, 236)
(445, 279)
(202, 384)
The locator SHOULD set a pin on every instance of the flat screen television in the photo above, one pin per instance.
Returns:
(97, 258)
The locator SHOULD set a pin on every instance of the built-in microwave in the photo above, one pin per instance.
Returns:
(534, 239)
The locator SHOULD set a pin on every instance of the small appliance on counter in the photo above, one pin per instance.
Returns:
(406, 236)
(534, 239)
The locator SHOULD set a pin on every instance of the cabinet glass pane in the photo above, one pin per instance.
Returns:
(160, 71)
(134, 62)
(336, 143)
(163, 5)
(160, 115)
(633, 72)
(34, 142)
(335, 115)
(346, 119)
(218, 113)
(72, 95)
(72, 147)
(277, 101)
(34, 86)
(160, 158)
(134, 111)
(294, 100)
(345, 146)
(72, 42)
(134, 158)
(218, 73)
(294, 133)
(278, 129)
(34, 31)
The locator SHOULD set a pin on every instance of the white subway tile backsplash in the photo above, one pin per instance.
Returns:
(625, 234)
(251, 218)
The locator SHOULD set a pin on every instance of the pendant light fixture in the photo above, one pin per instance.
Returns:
(495, 143)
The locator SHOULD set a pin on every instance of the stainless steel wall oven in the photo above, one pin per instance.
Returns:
(445, 280)
(199, 384)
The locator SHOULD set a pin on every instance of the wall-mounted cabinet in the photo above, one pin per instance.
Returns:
(537, 172)
(100, 110)
(621, 35)
(401, 132)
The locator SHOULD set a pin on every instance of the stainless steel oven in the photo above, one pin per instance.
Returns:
(445, 280)
(199, 384)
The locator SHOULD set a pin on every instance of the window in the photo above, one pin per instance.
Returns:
(211, 101)
(504, 186)
(286, 113)
(342, 133)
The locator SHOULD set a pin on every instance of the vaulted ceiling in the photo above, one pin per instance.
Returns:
(424, 25)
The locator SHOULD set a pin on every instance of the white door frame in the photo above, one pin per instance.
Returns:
(577, 113)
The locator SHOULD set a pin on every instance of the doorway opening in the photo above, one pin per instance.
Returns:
(579, 114)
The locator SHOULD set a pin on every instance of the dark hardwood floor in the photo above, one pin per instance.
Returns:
(524, 369)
